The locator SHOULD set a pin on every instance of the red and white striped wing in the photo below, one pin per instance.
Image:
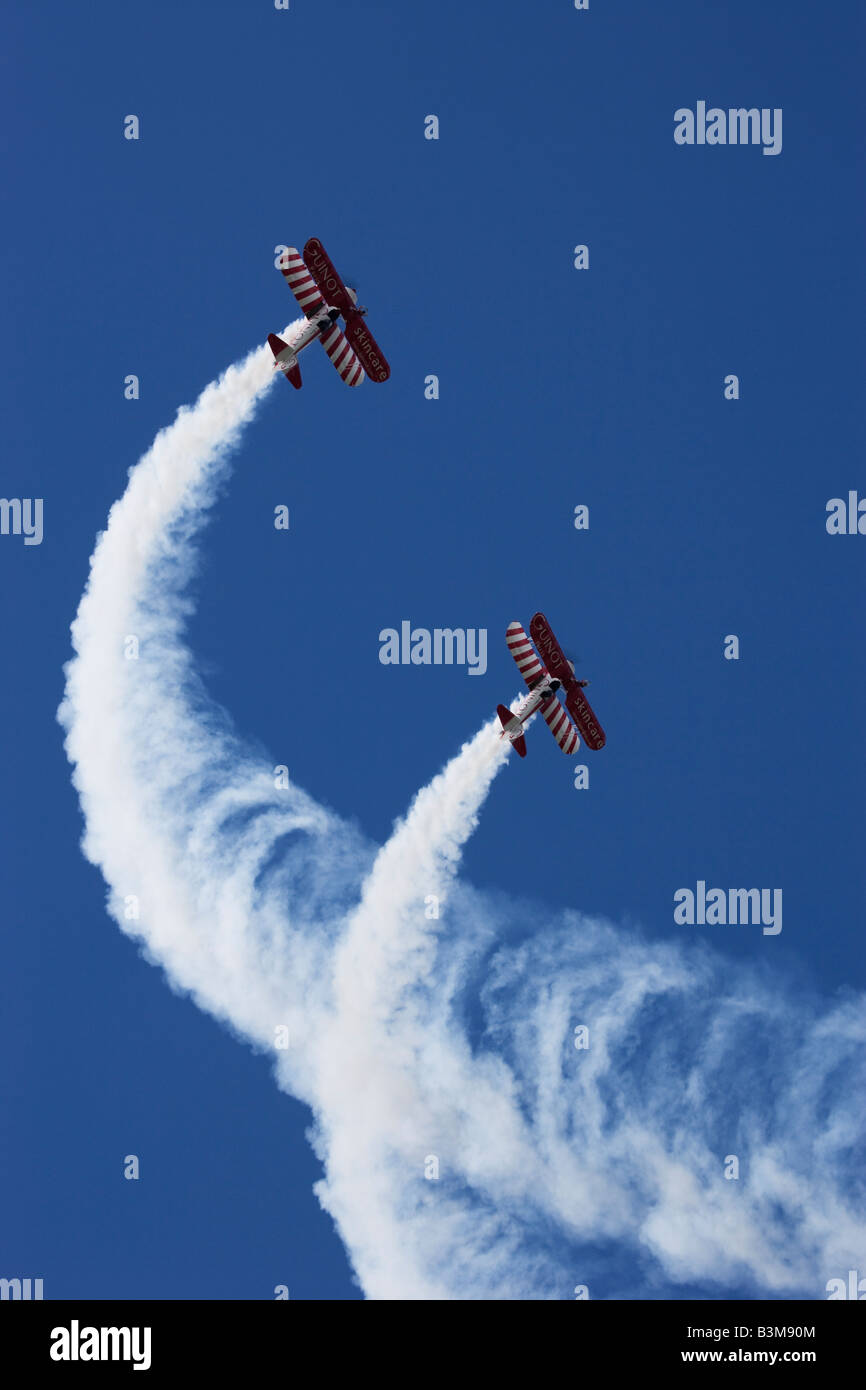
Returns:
(342, 356)
(523, 652)
(301, 282)
(557, 720)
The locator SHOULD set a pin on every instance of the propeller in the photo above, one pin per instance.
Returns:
(574, 661)
(357, 306)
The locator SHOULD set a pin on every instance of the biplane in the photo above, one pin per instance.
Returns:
(545, 678)
(325, 300)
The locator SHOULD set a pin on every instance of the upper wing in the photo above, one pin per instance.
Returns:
(342, 356)
(523, 652)
(301, 282)
(319, 265)
(581, 712)
(330, 283)
(575, 701)
(367, 348)
(551, 652)
(560, 725)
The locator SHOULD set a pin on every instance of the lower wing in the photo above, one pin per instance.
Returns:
(342, 356)
(559, 724)
(301, 282)
(523, 652)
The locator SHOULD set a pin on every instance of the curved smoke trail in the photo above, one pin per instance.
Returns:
(469, 1149)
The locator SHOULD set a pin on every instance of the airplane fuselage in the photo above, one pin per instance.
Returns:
(324, 320)
(542, 692)
(317, 327)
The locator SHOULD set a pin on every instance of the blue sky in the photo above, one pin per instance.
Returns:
(558, 387)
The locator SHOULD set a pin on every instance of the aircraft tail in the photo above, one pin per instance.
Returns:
(510, 724)
(284, 355)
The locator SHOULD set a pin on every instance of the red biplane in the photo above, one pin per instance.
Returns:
(545, 678)
(324, 299)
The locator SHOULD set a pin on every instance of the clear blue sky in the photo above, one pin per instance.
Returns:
(603, 387)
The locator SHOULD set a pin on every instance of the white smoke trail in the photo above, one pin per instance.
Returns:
(431, 1029)
(165, 787)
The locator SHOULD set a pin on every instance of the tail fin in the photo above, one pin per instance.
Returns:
(283, 351)
(510, 724)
